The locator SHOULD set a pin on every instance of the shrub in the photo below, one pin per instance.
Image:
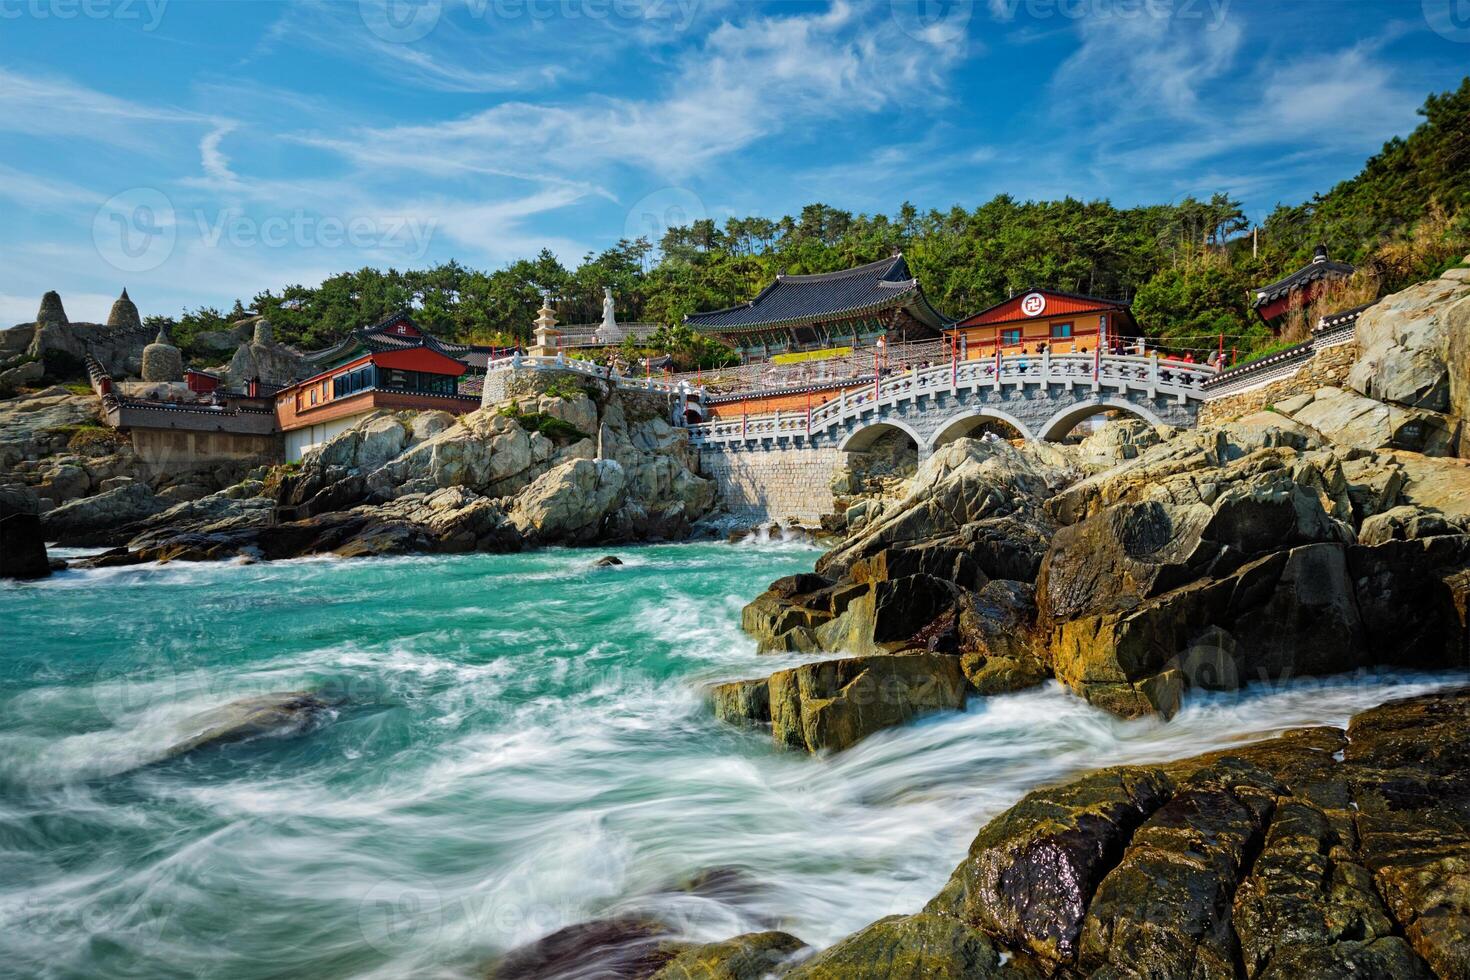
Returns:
(553, 428)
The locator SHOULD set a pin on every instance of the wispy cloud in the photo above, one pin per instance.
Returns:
(763, 76)
(49, 105)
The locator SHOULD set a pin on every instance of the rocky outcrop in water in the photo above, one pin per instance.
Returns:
(22, 545)
(1321, 853)
(260, 716)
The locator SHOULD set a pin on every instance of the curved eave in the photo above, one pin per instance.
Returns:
(939, 321)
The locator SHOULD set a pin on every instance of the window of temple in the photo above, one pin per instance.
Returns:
(1061, 331)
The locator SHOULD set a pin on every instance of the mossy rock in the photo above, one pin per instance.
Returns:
(911, 947)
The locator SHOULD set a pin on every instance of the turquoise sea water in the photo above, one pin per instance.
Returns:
(522, 745)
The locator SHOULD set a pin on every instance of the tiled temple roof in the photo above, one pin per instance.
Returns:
(1342, 317)
(376, 338)
(1321, 267)
(797, 300)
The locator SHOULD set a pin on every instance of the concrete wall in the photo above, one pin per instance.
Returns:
(182, 450)
(1327, 367)
(774, 484)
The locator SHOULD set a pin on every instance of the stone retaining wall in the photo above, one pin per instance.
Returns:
(773, 484)
(1328, 366)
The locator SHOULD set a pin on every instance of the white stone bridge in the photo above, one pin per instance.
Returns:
(781, 464)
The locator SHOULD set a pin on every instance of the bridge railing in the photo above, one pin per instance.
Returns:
(1149, 374)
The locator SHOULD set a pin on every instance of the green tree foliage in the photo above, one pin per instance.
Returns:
(1188, 266)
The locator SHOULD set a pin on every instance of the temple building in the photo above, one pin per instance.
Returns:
(831, 312)
(1045, 317)
(390, 365)
(1297, 290)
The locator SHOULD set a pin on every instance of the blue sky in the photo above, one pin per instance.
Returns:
(199, 150)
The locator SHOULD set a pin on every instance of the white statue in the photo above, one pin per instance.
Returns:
(609, 332)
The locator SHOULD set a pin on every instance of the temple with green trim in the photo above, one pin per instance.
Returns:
(830, 310)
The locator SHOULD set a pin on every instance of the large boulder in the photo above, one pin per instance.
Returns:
(22, 544)
(962, 483)
(1118, 440)
(1164, 910)
(1409, 342)
(1031, 872)
(569, 502)
(275, 715)
(103, 519)
(836, 703)
(1355, 421)
(1319, 853)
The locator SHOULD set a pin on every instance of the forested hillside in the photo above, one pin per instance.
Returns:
(1187, 266)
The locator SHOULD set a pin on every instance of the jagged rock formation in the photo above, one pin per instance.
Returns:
(1320, 853)
(117, 344)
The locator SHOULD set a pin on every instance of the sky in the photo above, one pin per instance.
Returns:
(199, 151)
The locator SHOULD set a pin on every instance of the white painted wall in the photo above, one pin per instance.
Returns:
(298, 441)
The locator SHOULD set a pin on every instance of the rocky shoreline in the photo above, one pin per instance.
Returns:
(564, 460)
(1302, 540)
(1324, 852)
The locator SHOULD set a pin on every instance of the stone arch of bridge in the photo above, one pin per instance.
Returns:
(862, 438)
(1064, 421)
(959, 425)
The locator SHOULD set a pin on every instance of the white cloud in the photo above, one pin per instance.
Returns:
(216, 165)
(1142, 66)
(50, 106)
(1345, 97)
(749, 80)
